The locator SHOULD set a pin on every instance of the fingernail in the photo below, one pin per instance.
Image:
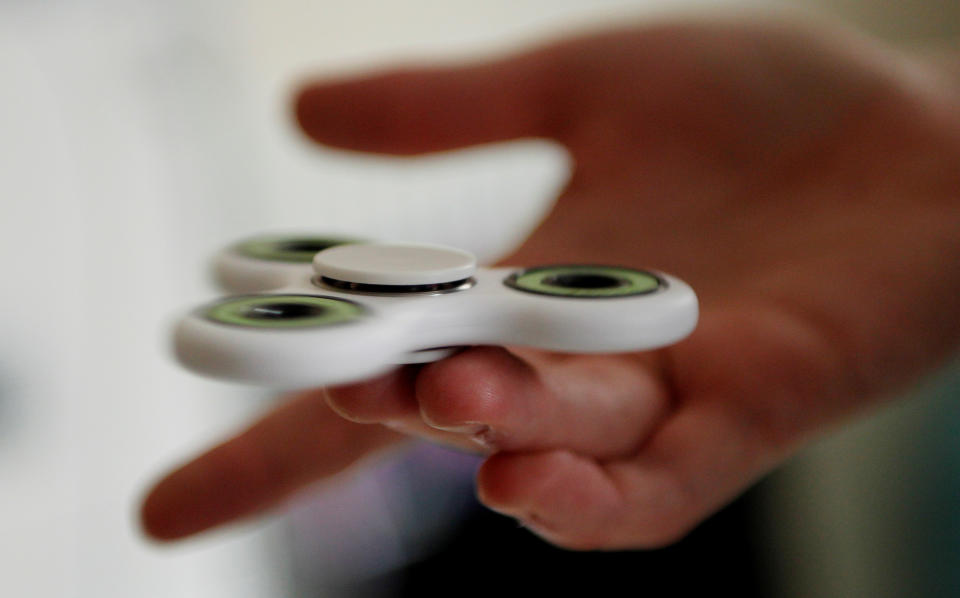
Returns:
(485, 438)
(480, 434)
(466, 428)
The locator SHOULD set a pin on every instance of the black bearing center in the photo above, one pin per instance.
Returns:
(575, 280)
(284, 311)
(305, 245)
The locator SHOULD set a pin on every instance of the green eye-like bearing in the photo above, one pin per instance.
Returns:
(584, 281)
(284, 311)
(299, 249)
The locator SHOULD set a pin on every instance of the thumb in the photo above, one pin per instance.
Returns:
(415, 111)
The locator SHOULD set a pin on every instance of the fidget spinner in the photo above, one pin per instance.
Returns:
(311, 311)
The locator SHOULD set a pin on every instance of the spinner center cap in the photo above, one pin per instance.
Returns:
(395, 265)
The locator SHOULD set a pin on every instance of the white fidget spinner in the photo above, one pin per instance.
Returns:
(317, 312)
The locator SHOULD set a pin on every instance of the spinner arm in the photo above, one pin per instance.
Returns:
(356, 310)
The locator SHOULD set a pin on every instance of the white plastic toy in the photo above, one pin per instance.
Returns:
(317, 312)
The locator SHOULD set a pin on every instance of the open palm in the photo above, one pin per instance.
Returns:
(802, 179)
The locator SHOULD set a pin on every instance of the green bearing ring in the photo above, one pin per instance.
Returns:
(283, 311)
(298, 249)
(585, 281)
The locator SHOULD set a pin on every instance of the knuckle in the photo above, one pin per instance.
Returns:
(660, 511)
(454, 393)
(668, 518)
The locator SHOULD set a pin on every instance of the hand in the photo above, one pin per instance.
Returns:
(806, 181)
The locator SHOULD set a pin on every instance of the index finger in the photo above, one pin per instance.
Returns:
(298, 443)
(418, 110)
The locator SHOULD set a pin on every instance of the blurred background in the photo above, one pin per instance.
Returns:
(137, 138)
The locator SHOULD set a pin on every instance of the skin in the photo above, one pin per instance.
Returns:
(805, 180)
